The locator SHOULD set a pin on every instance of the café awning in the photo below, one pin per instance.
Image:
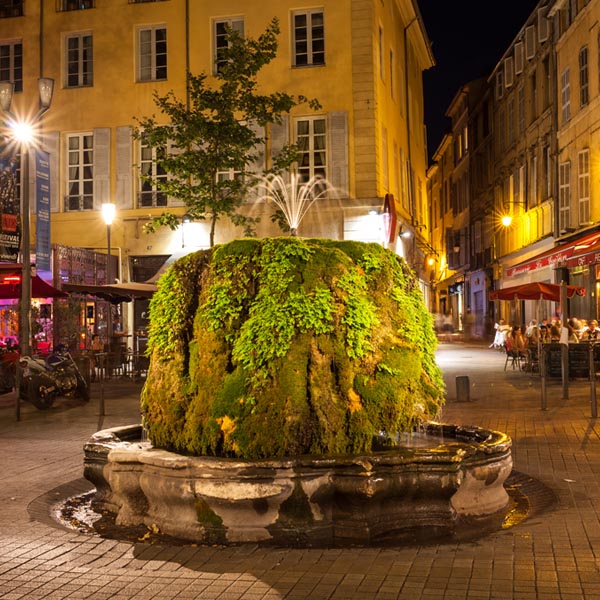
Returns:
(535, 291)
(115, 292)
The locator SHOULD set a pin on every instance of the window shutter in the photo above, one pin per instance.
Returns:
(509, 71)
(257, 166)
(499, 85)
(519, 58)
(543, 26)
(50, 144)
(101, 167)
(279, 138)
(338, 157)
(530, 42)
(124, 190)
(173, 150)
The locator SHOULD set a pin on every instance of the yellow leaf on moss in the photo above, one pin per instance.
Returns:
(227, 426)
(355, 402)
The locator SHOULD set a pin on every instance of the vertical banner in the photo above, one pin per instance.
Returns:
(42, 224)
(10, 221)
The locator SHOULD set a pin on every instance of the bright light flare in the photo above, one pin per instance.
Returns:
(23, 131)
(109, 210)
(506, 220)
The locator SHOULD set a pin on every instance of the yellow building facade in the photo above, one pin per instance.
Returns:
(362, 59)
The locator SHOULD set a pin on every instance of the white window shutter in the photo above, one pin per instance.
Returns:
(173, 150)
(279, 138)
(338, 156)
(499, 84)
(101, 167)
(50, 144)
(543, 25)
(529, 42)
(257, 166)
(519, 58)
(124, 190)
(509, 71)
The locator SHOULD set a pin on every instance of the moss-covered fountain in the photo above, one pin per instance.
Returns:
(290, 398)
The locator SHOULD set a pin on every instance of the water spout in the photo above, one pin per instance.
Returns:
(293, 199)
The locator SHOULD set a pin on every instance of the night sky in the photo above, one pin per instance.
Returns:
(468, 38)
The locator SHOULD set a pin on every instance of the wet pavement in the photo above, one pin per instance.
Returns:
(554, 553)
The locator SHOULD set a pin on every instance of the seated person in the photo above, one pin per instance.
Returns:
(592, 332)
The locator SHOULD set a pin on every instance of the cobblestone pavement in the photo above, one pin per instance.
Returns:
(553, 554)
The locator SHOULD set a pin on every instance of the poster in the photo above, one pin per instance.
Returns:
(42, 208)
(10, 220)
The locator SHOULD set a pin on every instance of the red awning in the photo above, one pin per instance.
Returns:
(564, 255)
(10, 285)
(535, 291)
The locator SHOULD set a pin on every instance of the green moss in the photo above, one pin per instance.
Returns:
(285, 346)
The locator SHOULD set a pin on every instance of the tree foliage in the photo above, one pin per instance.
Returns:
(217, 128)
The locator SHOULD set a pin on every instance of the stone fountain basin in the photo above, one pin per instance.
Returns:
(445, 483)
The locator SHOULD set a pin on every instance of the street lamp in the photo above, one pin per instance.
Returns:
(109, 210)
(24, 131)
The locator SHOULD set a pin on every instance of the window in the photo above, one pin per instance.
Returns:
(547, 188)
(311, 138)
(564, 195)
(153, 54)
(584, 81)
(381, 52)
(74, 4)
(547, 83)
(151, 174)
(533, 94)
(309, 38)
(79, 63)
(80, 176)
(533, 175)
(565, 95)
(510, 121)
(11, 64)
(521, 108)
(583, 185)
(392, 82)
(11, 8)
(220, 36)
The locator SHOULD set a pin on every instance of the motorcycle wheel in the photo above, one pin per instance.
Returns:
(82, 389)
(38, 392)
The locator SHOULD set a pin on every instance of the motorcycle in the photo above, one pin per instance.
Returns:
(45, 379)
(9, 357)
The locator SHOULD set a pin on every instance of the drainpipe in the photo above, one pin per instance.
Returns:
(411, 195)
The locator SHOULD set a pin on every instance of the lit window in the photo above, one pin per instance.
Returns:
(152, 174)
(311, 138)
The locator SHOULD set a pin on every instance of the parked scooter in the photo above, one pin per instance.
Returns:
(45, 379)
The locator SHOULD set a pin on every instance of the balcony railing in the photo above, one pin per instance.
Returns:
(64, 5)
(11, 8)
(78, 203)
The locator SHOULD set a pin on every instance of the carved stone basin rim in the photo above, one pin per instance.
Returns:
(388, 496)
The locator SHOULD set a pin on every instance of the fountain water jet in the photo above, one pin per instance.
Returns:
(293, 198)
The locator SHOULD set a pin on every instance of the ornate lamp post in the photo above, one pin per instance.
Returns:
(24, 132)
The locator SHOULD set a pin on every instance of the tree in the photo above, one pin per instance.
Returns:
(215, 130)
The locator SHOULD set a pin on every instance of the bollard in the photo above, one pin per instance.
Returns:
(463, 389)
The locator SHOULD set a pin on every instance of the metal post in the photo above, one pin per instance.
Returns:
(542, 363)
(564, 354)
(594, 404)
(25, 324)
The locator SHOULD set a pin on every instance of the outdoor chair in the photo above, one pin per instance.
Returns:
(512, 357)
